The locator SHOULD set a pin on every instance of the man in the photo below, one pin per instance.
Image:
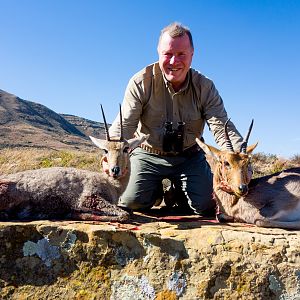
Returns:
(171, 101)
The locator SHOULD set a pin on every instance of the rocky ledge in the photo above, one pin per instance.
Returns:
(149, 258)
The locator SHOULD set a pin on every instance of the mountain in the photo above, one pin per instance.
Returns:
(87, 127)
(28, 124)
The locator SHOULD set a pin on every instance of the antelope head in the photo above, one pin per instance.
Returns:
(232, 169)
(116, 150)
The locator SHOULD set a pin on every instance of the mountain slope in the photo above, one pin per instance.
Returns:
(86, 126)
(28, 124)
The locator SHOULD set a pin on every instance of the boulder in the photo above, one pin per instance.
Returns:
(148, 258)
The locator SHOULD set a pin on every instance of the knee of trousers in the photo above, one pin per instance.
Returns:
(200, 198)
(203, 204)
(138, 201)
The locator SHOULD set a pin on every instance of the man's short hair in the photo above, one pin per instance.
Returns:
(176, 29)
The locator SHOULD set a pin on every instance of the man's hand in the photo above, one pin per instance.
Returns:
(104, 164)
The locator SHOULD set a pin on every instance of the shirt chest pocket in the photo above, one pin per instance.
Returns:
(194, 126)
(193, 119)
(154, 117)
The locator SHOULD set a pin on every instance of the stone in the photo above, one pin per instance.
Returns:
(149, 257)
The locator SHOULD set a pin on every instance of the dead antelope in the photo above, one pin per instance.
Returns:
(269, 201)
(58, 193)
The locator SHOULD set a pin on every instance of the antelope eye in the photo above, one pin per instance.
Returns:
(226, 164)
(250, 169)
(126, 149)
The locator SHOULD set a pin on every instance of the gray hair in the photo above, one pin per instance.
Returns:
(176, 29)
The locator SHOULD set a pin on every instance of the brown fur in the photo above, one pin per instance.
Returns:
(269, 201)
(59, 193)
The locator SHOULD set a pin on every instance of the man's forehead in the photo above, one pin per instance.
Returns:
(167, 41)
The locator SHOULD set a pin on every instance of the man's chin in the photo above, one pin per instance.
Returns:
(172, 79)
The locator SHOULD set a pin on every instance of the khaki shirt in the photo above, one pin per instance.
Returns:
(150, 101)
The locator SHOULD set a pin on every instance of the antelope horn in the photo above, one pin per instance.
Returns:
(245, 140)
(105, 124)
(121, 124)
(228, 143)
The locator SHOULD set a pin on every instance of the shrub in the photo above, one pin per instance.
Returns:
(296, 159)
(266, 164)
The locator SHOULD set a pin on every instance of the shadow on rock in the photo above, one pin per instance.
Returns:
(31, 256)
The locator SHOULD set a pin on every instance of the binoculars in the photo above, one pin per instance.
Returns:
(173, 138)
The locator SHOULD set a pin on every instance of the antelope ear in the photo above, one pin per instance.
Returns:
(251, 148)
(102, 144)
(209, 150)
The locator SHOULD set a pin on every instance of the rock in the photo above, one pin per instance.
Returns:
(148, 258)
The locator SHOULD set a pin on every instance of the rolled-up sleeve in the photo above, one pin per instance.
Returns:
(215, 115)
(131, 110)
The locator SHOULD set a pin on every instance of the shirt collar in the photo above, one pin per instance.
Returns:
(185, 84)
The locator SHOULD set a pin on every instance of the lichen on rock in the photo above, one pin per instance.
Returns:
(155, 260)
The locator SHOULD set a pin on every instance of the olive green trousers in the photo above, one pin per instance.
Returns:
(190, 174)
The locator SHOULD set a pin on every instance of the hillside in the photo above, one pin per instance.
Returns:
(87, 127)
(28, 124)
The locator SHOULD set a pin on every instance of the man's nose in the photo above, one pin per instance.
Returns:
(172, 60)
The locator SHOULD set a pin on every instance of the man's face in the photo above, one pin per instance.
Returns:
(175, 58)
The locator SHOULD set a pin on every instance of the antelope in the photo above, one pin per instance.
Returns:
(268, 201)
(59, 193)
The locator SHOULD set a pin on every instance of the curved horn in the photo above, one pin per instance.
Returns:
(105, 124)
(228, 143)
(245, 140)
(121, 124)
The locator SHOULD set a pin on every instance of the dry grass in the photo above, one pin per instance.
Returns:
(296, 159)
(266, 164)
(21, 159)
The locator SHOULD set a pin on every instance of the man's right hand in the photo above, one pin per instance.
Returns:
(104, 164)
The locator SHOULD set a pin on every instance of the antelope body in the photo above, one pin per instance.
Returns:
(269, 201)
(58, 193)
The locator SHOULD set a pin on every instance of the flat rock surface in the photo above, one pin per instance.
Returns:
(151, 257)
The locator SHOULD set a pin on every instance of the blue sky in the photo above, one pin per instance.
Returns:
(72, 55)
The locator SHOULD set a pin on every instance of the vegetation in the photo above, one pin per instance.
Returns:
(295, 159)
(266, 164)
(20, 159)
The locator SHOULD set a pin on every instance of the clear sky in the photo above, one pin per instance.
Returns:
(72, 55)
